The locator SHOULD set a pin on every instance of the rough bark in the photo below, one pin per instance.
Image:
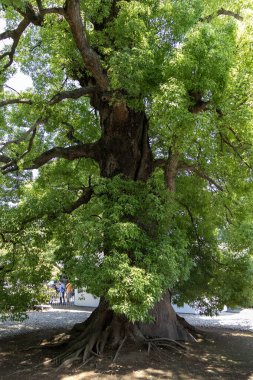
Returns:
(124, 149)
(166, 323)
(124, 143)
(104, 330)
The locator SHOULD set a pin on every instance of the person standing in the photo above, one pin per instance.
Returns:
(62, 293)
(69, 291)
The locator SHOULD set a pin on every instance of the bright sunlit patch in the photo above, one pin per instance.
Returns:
(19, 82)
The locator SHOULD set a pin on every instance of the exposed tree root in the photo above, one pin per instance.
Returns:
(118, 350)
(104, 329)
(187, 325)
(157, 341)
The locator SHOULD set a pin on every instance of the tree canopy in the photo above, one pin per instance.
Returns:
(129, 159)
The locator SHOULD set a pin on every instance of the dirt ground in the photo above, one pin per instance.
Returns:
(217, 354)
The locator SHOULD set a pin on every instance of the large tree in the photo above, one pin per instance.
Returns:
(128, 160)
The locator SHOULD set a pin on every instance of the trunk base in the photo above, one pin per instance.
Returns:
(104, 330)
(167, 323)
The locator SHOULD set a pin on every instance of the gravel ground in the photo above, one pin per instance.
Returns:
(63, 318)
(38, 320)
(242, 321)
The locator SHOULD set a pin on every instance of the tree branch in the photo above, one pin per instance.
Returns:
(193, 223)
(83, 199)
(15, 35)
(160, 163)
(72, 94)
(226, 140)
(70, 153)
(171, 171)
(57, 98)
(24, 135)
(4, 158)
(12, 164)
(199, 172)
(222, 12)
(90, 57)
(70, 134)
(30, 16)
(8, 102)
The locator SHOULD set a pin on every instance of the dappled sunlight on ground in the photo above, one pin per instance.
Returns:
(224, 350)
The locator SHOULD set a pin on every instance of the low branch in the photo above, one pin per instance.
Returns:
(70, 153)
(85, 197)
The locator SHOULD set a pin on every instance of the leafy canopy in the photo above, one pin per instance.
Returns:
(188, 66)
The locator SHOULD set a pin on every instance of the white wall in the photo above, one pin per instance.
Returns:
(85, 299)
(185, 309)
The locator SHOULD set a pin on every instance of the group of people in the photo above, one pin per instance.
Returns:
(63, 289)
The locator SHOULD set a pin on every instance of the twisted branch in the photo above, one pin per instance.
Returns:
(90, 57)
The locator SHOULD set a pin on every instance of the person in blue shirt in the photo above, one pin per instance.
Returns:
(62, 293)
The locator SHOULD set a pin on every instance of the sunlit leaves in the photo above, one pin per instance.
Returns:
(190, 70)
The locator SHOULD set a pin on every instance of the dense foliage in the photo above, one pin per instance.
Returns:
(188, 227)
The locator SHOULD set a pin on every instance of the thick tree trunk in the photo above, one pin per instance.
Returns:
(124, 150)
(165, 323)
(104, 330)
(124, 142)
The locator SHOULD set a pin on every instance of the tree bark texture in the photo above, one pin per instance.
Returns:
(125, 150)
(124, 142)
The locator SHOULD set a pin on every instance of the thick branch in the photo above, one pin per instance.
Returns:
(90, 57)
(160, 163)
(70, 153)
(53, 10)
(72, 94)
(57, 98)
(8, 102)
(222, 12)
